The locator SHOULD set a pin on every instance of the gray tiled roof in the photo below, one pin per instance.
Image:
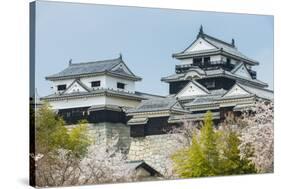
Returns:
(95, 67)
(105, 107)
(226, 47)
(157, 104)
(262, 93)
(214, 94)
(203, 100)
(221, 46)
(173, 77)
(215, 73)
(148, 96)
(191, 117)
(93, 93)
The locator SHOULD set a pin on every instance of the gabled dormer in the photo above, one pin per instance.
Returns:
(192, 89)
(199, 45)
(236, 90)
(76, 87)
(241, 70)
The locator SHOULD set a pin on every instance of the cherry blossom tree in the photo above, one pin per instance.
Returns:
(104, 163)
(258, 136)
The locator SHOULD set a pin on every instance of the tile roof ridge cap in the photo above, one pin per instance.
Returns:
(95, 62)
(218, 40)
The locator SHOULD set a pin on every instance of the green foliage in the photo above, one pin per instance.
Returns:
(208, 141)
(211, 153)
(49, 130)
(189, 162)
(231, 163)
(51, 134)
(79, 139)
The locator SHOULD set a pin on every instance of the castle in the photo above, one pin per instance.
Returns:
(211, 75)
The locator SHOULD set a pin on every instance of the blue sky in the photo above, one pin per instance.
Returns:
(146, 38)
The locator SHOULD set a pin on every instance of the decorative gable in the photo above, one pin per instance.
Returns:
(75, 87)
(236, 90)
(192, 75)
(122, 68)
(200, 45)
(177, 106)
(241, 70)
(193, 89)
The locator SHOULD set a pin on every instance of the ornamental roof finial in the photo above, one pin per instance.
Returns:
(70, 62)
(201, 29)
(120, 56)
(201, 32)
(233, 42)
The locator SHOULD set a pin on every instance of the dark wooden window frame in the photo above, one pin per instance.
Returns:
(61, 87)
(210, 84)
(95, 83)
(120, 85)
(207, 59)
(197, 60)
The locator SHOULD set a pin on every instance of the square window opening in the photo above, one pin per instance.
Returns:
(61, 87)
(120, 85)
(95, 84)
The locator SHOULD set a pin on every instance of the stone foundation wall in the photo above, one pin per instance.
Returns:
(104, 133)
(154, 150)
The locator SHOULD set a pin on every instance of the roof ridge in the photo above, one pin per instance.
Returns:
(96, 62)
(160, 96)
(218, 40)
(251, 86)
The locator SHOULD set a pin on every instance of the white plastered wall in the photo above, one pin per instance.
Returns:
(87, 81)
(187, 61)
(66, 82)
(91, 101)
(106, 82)
(216, 58)
(121, 102)
(75, 103)
(111, 83)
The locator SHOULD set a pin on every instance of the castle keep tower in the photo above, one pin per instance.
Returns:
(212, 75)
